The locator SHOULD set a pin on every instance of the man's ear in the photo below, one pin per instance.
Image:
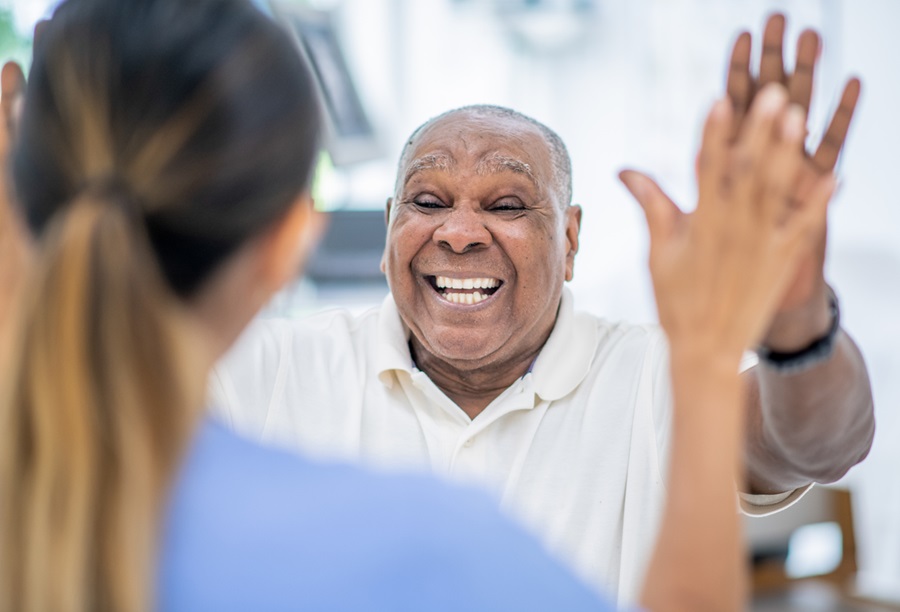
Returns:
(573, 227)
(387, 222)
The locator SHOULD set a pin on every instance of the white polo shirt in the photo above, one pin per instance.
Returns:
(576, 448)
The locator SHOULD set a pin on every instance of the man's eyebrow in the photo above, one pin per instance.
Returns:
(497, 162)
(434, 161)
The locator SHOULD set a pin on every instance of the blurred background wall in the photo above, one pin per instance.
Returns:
(626, 84)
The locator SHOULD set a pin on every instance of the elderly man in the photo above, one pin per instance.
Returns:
(478, 365)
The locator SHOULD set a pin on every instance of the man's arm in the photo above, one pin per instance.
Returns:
(812, 425)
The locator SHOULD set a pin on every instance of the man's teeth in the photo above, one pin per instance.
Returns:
(447, 284)
(444, 282)
(464, 298)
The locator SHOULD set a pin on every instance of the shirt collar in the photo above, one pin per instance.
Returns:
(559, 368)
(568, 353)
(393, 343)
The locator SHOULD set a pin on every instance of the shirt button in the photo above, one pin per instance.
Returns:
(468, 443)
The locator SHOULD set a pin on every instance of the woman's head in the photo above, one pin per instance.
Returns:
(197, 119)
(159, 138)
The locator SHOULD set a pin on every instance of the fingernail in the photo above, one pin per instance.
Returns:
(719, 109)
(633, 181)
(771, 99)
(794, 123)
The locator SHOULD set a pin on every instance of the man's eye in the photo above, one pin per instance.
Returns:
(508, 205)
(428, 203)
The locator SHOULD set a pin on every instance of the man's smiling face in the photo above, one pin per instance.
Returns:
(478, 243)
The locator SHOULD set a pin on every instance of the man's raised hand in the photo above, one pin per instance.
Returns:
(804, 308)
(742, 86)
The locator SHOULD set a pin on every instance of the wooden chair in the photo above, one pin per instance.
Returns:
(768, 539)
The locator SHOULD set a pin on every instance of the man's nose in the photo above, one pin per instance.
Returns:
(463, 230)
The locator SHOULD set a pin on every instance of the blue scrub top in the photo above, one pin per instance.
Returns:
(252, 528)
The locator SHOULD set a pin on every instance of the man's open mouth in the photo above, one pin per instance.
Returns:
(465, 290)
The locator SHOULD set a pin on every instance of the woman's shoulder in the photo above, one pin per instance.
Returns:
(250, 527)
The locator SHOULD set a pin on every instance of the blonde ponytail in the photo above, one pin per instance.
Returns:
(100, 404)
(147, 154)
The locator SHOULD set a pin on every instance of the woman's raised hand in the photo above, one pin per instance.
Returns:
(720, 273)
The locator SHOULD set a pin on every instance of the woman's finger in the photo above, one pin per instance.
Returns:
(12, 88)
(783, 164)
(659, 209)
(807, 225)
(713, 156)
(754, 144)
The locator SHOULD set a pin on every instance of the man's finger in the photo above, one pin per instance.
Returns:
(771, 63)
(801, 82)
(827, 154)
(739, 85)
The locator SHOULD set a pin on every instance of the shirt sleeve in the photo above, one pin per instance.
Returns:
(749, 504)
(764, 505)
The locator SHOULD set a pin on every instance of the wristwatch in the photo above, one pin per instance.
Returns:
(816, 352)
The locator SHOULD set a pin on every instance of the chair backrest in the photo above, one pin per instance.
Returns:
(769, 538)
